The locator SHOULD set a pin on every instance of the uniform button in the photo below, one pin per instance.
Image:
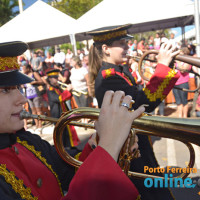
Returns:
(39, 182)
(16, 150)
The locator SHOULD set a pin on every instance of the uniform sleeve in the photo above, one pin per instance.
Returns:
(161, 83)
(153, 94)
(100, 177)
(85, 153)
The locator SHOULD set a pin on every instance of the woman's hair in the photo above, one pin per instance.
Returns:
(95, 62)
(77, 60)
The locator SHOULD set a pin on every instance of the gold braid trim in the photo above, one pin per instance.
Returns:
(138, 197)
(8, 64)
(53, 74)
(17, 185)
(77, 158)
(108, 36)
(159, 92)
(42, 159)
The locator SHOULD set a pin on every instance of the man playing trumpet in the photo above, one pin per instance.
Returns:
(57, 98)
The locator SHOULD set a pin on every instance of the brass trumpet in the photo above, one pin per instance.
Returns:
(184, 130)
(195, 61)
(63, 86)
(78, 93)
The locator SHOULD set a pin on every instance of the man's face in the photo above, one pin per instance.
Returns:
(53, 81)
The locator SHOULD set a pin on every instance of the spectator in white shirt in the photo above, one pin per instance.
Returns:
(79, 82)
(69, 56)
(59, 57)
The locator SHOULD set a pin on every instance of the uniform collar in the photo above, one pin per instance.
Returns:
(7, 140)
(117, 67)
(106, 65)
(124, 69)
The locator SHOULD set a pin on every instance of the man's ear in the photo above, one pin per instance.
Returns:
(106, 49)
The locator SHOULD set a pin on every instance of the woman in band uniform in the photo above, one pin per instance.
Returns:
(107, 69)
(30, 168)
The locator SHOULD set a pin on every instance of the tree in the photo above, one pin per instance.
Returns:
(7, 10)
(74, 8)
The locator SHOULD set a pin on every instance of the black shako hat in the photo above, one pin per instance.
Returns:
(110, 33)
(52, 73)
(9, 67)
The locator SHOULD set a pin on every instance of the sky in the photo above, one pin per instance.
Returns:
(30, 2)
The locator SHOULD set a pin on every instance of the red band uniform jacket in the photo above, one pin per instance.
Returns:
(57, 98)
(31, 169)
(113, 77)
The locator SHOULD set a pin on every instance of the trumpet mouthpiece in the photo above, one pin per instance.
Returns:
(24, 115)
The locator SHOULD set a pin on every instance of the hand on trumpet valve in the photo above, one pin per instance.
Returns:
(115, 120)
(166, 53)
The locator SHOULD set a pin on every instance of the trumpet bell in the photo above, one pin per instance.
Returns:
(146, 74)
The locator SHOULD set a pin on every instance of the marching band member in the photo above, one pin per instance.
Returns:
(106, 58)
(30, 167)
(57, 101)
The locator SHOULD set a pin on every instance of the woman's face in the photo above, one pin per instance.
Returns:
(73, 63)
(11, 104)
(117, 53)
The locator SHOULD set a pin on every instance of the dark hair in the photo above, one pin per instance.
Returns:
(28, 66)
(58, 64)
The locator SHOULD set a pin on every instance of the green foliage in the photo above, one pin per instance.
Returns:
(74, 8)
(6, 10)
(64, 47)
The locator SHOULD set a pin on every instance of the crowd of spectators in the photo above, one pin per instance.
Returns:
(73, 75)
(137, 48)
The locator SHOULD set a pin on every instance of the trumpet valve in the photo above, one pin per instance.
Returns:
(126, 154)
